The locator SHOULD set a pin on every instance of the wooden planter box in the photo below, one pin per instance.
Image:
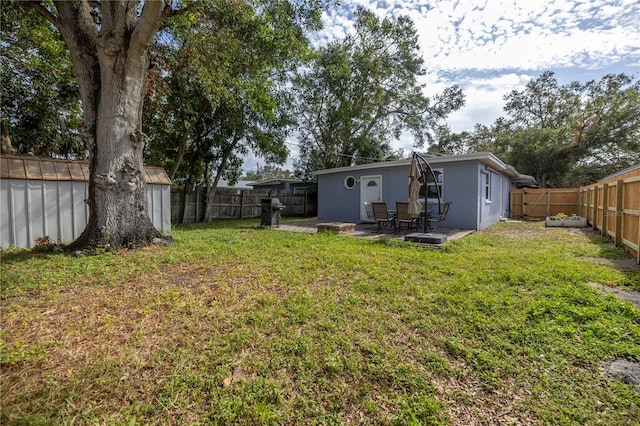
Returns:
(567, 223)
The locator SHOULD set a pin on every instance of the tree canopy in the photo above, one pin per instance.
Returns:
(359, 93)
(563, 135)
(39, 93)
(109, 47)
(268, 171)
(216, 93)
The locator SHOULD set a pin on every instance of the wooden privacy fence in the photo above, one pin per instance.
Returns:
(612, 206)
(232, 203)
(537, 204)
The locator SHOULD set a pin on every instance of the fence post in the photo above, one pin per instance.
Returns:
(619, 213)
(241, 202)
(638, 251)
(511, 206)
(197, 219)
(580, 201)
(594, 220)
(304, 208)
(605, 209)
(548, 203)
(185, 206)
(586, 207)
(594, 210)
(590, 204)
(524, 194)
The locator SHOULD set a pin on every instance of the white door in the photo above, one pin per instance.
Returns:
(370, 191)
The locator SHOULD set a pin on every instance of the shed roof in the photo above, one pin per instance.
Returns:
(35, 168)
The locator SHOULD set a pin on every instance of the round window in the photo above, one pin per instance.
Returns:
(350, 182)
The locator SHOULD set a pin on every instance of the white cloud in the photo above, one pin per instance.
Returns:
(500, 34)
(505, 38)
(485, 99)
(492, 47)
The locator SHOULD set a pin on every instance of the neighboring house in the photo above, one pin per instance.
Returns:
(281, 185)
(478, 186)
(241, 184)
(44, 197)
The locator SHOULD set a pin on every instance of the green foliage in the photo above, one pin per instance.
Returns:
(268, 171)
(563, 135)
(216, 91)
(19, 353)
(361, 92)
(39, 94)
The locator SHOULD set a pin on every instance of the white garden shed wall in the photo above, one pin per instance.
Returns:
(46, 197)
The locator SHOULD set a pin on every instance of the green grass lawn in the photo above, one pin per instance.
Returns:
(234, 324)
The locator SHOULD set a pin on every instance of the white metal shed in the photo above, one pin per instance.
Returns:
(46, 197)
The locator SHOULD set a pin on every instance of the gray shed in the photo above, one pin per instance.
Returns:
(478, 185)
(46, 197)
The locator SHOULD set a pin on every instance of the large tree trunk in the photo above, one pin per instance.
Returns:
(117, 185)
(111, 62)
(6, 139)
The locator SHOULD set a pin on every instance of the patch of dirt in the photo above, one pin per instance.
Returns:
(625, 370)
(629, 295)
(627, 264)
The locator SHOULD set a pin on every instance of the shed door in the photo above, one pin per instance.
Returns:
(371, 191)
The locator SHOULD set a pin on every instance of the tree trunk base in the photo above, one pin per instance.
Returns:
(93, 241)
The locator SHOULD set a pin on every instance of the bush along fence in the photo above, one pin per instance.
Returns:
(233, 203)
(612, 206)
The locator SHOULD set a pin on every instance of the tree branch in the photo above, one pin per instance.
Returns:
(183, 143)
(152, 14)
(71, 19)
(39, 7)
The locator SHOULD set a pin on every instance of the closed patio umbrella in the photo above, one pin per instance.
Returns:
(414, 188)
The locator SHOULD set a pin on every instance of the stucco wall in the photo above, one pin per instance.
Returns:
(463, 186)
(460, 188)
(491, 211)
(335, 202)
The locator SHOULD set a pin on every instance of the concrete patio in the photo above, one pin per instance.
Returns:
(370, 230)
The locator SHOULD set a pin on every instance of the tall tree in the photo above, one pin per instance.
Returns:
(210, 107)
(109, 46)
(552, 128)
(108, 43)
(610, 122)
(268, 171)
(449, 143)
(194, 85)
(361, 92)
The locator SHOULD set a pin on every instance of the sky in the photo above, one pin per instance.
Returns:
(492, 47)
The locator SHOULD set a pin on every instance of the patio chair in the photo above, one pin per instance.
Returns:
(403, 216)
(369, 209)
(382, 215)
(442, 216)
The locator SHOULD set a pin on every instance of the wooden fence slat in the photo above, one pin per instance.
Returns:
(531, 203)
(611, 206)
(619, 213)
(231, 203)
(605, 209)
